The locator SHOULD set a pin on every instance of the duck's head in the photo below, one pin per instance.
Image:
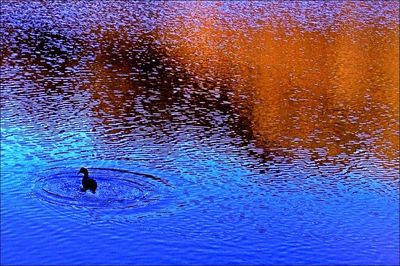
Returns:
(84, 171)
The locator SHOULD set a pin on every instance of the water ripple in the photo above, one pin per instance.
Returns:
(117, 189)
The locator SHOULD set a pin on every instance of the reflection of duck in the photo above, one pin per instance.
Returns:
(87, 183)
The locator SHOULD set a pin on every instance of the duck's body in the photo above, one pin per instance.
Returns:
(87, 183)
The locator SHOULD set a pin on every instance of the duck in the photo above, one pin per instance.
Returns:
(87, 183)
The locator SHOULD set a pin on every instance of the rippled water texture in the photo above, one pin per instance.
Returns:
(218, 132)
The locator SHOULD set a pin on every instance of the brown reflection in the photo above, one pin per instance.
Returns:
(137, 90)
(334, 88)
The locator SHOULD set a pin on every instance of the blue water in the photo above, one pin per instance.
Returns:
(184, 173)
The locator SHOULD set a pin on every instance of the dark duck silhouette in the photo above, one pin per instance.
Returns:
(87, 183)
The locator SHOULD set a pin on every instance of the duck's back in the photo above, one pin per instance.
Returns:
(90, 184)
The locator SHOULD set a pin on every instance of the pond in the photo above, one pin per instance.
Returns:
(217, 132)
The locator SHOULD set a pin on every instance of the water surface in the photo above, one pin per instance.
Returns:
(218, 132)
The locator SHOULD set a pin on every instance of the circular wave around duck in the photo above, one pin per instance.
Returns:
(117, 189)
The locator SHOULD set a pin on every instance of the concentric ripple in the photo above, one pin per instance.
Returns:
(117, 189)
